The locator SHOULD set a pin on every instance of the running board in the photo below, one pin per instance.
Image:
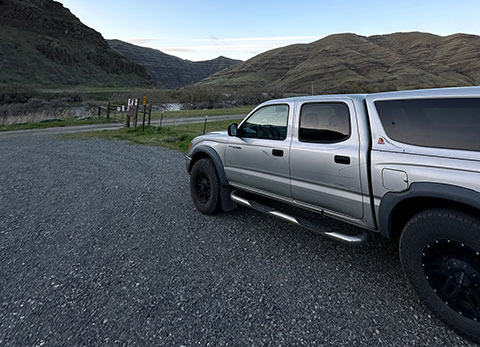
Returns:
(349, 239)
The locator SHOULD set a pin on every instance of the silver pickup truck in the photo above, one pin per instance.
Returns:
(403, 165)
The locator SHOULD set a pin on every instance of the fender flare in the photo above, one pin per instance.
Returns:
(213, 155)
(225, 188)
(442, 191)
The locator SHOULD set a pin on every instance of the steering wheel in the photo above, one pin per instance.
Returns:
(272, 131)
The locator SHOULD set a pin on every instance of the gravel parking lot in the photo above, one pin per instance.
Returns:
(100, 244)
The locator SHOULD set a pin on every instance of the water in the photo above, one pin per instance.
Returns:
(173, 106)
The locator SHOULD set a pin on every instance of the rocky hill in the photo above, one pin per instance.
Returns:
(167, 70)
(43, 43)
(352, 63)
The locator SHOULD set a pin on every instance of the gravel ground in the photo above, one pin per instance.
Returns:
(100, 244)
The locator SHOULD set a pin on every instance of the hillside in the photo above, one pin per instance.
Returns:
(43, 43)
(352, 63)
(167, 70)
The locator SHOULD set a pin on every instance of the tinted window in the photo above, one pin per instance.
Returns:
(445, 123)
(269, 122)
(324, 122)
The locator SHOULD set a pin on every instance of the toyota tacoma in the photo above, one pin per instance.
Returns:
(403, 165)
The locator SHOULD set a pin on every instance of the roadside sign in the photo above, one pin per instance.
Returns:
(131, 111)
(144, 100)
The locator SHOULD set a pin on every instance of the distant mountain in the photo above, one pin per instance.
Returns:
(352, 63)
(167, 70)
(43, 43)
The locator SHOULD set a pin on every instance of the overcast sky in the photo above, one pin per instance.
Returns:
(202, 29)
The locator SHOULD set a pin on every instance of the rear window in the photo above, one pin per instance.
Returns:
(443, 123)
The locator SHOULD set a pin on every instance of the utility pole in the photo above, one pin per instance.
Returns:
(312, 87)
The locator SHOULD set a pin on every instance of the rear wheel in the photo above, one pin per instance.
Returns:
(205, 186)
(440, 254)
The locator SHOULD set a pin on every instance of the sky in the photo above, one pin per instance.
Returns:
(202, 29)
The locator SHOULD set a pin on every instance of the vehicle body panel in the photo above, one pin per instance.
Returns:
(250, 161)
(420, 164)
(306, 176)
(315, 176)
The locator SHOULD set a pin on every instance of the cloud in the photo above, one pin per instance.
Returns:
(213, 46)
(141, 41)
(177, 49)
(272, 38)
(214, 38)
(209, 47)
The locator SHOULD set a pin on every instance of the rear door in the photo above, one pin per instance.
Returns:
(259, 156)
(324, 157)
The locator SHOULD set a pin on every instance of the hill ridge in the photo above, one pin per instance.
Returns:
(347, 62)
(43, 43)
(169, 71)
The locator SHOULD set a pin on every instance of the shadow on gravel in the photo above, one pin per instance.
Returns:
(377, 258)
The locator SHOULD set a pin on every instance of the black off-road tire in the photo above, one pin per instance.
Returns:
(440, 255)
(205, 186)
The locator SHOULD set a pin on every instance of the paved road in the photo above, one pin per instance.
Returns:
(189, 120)
(110, 126)
(100, 244)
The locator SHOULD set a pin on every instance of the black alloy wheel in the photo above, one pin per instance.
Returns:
(453, 271)
(205, 186)
(440, 255)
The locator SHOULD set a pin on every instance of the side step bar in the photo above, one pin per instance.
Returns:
(349, 239)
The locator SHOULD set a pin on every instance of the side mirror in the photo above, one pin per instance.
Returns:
(232, 129)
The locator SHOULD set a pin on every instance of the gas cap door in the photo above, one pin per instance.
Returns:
(394, 180)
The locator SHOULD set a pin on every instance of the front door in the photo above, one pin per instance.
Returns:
(258, 157)
(324, 158)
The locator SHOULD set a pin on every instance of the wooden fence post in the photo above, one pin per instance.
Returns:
(144, 113)
(205, 124)
(161, 120)
(108, 110)
(149, 114)
(136, 115)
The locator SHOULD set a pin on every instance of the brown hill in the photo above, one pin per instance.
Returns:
(43, 43)
(351, 63)
(167, 70)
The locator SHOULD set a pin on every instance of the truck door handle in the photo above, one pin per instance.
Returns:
(342, 159)
(277, 152)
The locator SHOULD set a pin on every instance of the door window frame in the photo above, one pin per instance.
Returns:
(267, 138)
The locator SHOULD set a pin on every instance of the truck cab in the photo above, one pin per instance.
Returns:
(311, 152)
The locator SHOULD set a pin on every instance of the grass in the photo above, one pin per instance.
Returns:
(63, 123)
(155, 115)
(175, 137)
(201, 113)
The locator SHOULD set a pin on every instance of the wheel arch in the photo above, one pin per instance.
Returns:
(206, 152)
(396, 208)
(202, 152)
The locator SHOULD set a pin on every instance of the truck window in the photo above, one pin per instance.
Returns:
(269, 122)
(452, 123)
(326, 122)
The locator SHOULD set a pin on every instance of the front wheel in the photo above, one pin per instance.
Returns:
(205, 186)
(440, 254)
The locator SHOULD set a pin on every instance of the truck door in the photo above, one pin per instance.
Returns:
(259, 156)
(324, 157)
